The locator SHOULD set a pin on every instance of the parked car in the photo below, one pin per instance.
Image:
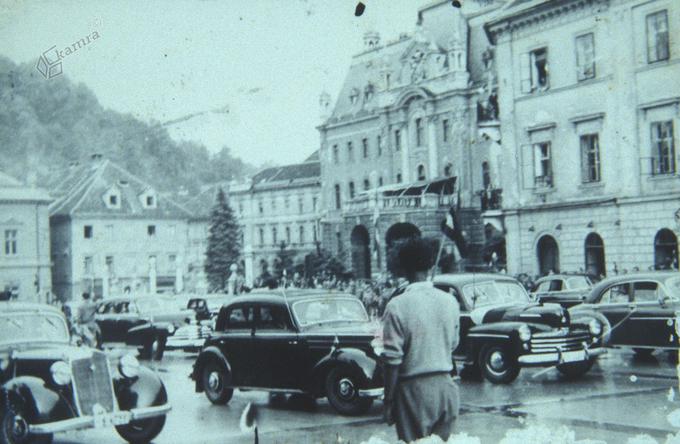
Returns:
(207, 306)
(502, 330)
(48, 386)
(149, 325)
(642, 308)
(564, 289)
(315, 342)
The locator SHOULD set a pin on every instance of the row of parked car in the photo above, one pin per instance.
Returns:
(320, 343)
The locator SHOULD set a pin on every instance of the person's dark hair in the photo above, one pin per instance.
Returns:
(86, 295)
(416, 255)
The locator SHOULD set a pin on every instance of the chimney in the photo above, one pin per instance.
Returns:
(371, 40)
(96, 159)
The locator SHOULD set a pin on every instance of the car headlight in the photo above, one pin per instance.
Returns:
(171, 329)
(128, 366)
(595, 327)
(377, 345)
(61, 373)
(677, 323)
(524, 333)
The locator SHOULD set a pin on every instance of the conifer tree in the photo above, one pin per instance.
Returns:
(224, 243)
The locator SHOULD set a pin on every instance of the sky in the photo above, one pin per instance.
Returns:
(264, 61)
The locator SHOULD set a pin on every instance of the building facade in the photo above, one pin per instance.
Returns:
(111, 230)
(589, 95)
(415, 122)
(24, 248)
(278, 207)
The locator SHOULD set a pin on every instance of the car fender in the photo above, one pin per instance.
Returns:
(139, 335)
(582, 314)
(356, 360)
(208, 353)
(144, 390)
(35, 400)
(497, 333)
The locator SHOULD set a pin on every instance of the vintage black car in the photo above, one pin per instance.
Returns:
(207, 307)
(502, 330)
(314, 342)
(564, 289)
(48, 386)
(148, 325)
(642, 308)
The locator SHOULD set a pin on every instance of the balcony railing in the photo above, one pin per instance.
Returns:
(368, 202)
(491, 199)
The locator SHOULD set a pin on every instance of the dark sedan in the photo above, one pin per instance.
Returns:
(502, 330)
(642, 308)
(315, 342)
(564, 289)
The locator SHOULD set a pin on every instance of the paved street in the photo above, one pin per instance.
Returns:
(622, 398)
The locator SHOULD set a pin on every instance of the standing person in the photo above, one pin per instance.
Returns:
(86, 321)
(420, 333)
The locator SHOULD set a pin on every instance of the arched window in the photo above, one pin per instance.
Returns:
(274, 236)
(367, 184)
(398, 177)
(594, 255)
(665, 250)
(548, 254)
(448, 169)
(421, 172)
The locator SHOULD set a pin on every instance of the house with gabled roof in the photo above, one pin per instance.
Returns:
(111, 230)
(24, 242)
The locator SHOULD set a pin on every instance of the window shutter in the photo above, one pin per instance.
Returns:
(585, 176)
(525, 72)
(527, 166)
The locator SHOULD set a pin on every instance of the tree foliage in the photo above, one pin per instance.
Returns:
(224, 243)
(285, 260)
(47, 124)
(321, 262)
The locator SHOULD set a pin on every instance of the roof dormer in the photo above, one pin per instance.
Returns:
(149, 199)
(112, 198)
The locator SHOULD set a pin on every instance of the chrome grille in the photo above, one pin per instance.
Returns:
(564, 343)
(92, 383)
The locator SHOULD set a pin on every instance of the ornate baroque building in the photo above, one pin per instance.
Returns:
(589, 94)
(415, 121)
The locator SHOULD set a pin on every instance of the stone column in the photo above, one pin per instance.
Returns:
(433, 158)
(405, 155)
(248, 255)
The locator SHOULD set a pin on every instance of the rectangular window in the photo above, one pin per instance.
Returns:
(398, 177)
(380, 181)
(351, 190)
(113, 200)
(663, 148)
(446, 129)
(379, 142)
(314, 235)
(151, 230)
(301, 205)
(397, 140)
(315, 201)
(350, 152)
(261, 236)
(338, 240)
(10, 242)
(534, 70)
(543, 176)
(585, 56)
(302, 234)
(657, 37)
(87, 265)
(364, 144)
(590, 158)
(274, 205)
(286, 203)
(260, 207)
(338, 201)
(87, 231)
(149, 201)
(336, 155)
(419, 132)
(367, 184)
(274, 236)
(110, 269)
(172, 262)
(288, 235)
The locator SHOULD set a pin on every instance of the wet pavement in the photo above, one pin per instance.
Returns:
(620, 398)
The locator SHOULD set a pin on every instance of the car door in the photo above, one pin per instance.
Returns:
(236, 341)
(105, 318)
(127, 317)
(279, 352)
(615, 302)
(465, 319)
(653, 320)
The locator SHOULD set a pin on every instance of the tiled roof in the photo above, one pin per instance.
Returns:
(82, 190)
(201, 203)
(288, 173)
(314, 157)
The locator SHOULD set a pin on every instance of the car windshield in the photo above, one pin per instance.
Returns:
(149, 305)
(32, 327)
(321, 311)
(494, 292)
(578, 283)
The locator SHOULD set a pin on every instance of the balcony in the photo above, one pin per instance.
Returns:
(491, 199)
(365, 203)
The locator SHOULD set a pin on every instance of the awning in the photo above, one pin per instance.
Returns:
(444, 185)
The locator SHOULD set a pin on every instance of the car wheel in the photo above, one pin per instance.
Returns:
(14, 430)
(497, 365)
(158, 348)
(142, 431)
(342, 391)
(643, 352)
(215, 378)
(575, 370)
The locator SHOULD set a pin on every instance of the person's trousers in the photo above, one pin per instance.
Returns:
(426, 405)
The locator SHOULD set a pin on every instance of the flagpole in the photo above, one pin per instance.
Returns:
(441, 245)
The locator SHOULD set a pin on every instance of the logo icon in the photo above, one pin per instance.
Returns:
(49, 68)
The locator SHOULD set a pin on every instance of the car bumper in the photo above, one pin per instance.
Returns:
(183, 343)
(559, 357)
(86, 422)
(372, 393)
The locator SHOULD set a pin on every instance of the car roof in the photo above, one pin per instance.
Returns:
(17, 307)
(648, 275)
(561, 276)
(470, 278)
(276, 296)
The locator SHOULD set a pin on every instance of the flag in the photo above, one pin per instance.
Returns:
(452, 227)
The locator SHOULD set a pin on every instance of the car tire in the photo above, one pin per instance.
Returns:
(643, 352)
(574, 370)
(342, 391)
(214, 379)
(10, 435)
(497, 365)
(153, 350)
(142, 431)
